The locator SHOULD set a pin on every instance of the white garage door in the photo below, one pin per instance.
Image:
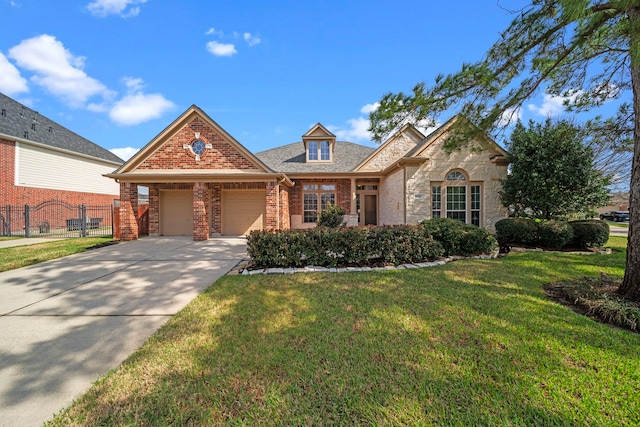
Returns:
(176, 213)
(242, 211)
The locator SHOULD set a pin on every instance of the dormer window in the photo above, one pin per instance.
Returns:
(318, 151)
(319, 144)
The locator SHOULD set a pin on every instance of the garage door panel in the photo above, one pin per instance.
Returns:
(242, 212)
(176, 213)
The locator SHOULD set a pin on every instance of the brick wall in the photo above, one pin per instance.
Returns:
(272, 217)
(173, 155)
(343, 193)
(200, 217)
(154, 210)
(128, 211)
(11, 194)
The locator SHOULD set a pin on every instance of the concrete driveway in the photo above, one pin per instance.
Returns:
(66, 322)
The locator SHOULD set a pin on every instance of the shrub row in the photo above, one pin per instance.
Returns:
(353, 246)
(552, 234)
(341, 247)
(458, 238)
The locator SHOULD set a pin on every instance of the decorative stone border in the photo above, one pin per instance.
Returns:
(241, 267)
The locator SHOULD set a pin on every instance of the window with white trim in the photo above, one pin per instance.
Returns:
(456, 198)
(475, 205)
(315, 198)
(436, 201)
(318, 151)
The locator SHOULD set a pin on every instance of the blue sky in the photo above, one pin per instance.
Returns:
(118, 72)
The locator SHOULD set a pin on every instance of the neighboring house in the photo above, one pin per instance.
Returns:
(41, 160)
(203, 182)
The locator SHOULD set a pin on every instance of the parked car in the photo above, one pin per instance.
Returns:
(617, 216)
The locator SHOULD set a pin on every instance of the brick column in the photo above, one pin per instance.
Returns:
(154, 211)
(200, 219)
(216, 209)
(271, 221)
(128, 211)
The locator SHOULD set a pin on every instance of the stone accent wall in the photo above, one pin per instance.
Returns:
(172, 155)
(480, 171)
(391, 199)
(284, 220)
(395, 149)
(128, 211)
(11, 194)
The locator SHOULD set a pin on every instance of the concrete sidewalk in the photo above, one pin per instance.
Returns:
(66, 322)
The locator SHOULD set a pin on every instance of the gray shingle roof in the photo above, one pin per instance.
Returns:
(19, 121)
(291, 158)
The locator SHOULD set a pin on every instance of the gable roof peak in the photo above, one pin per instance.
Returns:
(318, 130)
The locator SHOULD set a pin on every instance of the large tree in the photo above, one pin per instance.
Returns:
(586, 51)
(552, 172)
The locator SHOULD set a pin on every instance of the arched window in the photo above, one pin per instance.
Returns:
(456, 176)
(461, 201)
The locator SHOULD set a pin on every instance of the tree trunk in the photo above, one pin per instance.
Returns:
(630, 286)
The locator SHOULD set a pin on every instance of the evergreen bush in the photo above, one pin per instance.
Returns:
(589, 233)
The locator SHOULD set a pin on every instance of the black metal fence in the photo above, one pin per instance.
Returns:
(56, 219)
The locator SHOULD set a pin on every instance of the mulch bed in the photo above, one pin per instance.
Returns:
(603, 285)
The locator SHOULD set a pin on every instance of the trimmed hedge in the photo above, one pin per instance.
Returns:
(458, 238)
(589, 233)
(517, 230)
(552, 234)
(341, 247)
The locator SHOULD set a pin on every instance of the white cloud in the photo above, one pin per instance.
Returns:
(369, 108)
(552, 105)
(138, 108)
(221, 49)
(124, 8)
(510, 116)
(425, 126)
(133, 84)
(11, 82)
(124, 153)
(251, 39)
(357, 130)
(210, 31)
(57, 70)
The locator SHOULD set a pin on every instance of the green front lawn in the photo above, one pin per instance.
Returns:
(470, 343)
(22, 256)
(617, 224)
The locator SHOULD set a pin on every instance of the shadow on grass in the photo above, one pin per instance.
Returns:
(473, 342)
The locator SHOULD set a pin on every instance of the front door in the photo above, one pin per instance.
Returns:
(370, 209)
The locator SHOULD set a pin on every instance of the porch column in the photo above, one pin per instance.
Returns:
(128, 211)
(200, 219)
(271, 221)
(352, 217)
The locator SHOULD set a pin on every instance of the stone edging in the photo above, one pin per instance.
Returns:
(241, 267)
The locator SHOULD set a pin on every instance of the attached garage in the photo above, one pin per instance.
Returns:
(243, 211)
(176, 213)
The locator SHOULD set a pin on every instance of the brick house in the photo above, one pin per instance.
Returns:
(202, 182)
(41, 160)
